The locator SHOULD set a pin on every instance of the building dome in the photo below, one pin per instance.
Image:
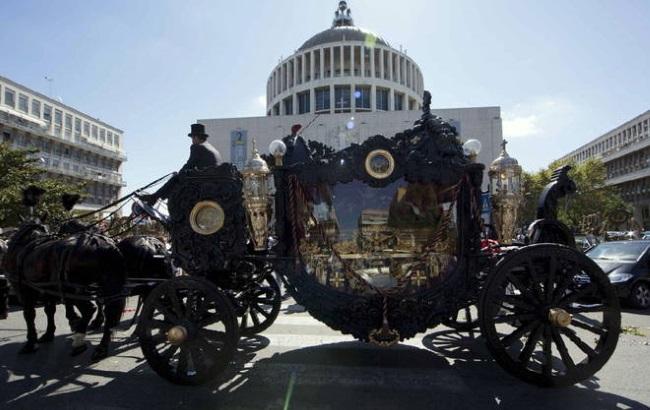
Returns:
(344, 69)
(342, 34)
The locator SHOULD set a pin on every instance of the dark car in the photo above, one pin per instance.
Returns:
(627, 263)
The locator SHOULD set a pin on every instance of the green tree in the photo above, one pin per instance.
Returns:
(19, 169)
(592, 195)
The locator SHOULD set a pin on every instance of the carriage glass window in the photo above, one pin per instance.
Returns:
(400, 235)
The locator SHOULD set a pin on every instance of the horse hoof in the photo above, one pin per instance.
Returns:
(76, 351)
(46, 338)
(28, 349)
(100, 353)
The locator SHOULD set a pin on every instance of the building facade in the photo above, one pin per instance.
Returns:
(343, 85)
(71, 145)
(625, 151)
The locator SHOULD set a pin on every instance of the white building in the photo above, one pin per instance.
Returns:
(72, 145)
(625, 151)
(344, 85)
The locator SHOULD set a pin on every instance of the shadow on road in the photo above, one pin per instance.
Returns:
(453, 371)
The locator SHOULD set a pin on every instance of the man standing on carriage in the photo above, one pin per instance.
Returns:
(202, 155)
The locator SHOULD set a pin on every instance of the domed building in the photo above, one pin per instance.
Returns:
(344, 69)
(344, 85)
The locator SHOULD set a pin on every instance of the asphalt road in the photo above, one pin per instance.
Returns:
(301, 364)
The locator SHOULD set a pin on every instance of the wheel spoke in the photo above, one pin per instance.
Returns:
(578, 342)
(262, 311)
(524, 317)
(526, 353)
(593, 329)
(264, 301)
(167, 354)
(561, 347)
(159, 324)
(213, 335)
(210, 319)
(516, 301)
(547, 367)
(535, 279)
(172, 296)
(573, 297)
(519, 285)
(256, 319)
(158, 338)
(167, 313)
(561, 288)
(518, 333)
(550, 279)
(588, 309)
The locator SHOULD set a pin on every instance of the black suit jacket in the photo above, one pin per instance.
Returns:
(202, 155)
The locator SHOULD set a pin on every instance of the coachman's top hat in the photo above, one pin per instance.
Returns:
(295, 128)
(198, 130)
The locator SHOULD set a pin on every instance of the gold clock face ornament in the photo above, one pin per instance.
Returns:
(380, 164)
(207, 217)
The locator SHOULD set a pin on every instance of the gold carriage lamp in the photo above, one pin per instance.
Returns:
(256, 196)
(207, 217)
(505, 192)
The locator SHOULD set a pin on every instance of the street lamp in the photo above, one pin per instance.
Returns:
(256, 198)
(505, 192)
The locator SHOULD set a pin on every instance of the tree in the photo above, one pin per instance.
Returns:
(19, 169)
(592, 195)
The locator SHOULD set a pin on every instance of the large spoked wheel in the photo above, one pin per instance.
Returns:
(260, 305)
(549, 315)
(188, 331)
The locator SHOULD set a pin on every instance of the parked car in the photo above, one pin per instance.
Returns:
(585, 242)
(627, 263)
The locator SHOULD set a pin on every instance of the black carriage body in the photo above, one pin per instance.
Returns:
(428, 155)
(211, 255)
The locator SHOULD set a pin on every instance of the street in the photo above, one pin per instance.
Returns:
(301, 364)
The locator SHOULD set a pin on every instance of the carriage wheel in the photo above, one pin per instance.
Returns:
(464, 319)
(549, 315)
(261, 306)
(188, 331)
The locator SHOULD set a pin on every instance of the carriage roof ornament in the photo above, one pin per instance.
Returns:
(342, 16)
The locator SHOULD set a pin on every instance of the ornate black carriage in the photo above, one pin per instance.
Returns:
(381, 241)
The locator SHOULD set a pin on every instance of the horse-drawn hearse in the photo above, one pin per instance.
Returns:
(381, 241)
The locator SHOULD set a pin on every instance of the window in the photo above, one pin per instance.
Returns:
(362, 97)
(68, 125)
(77, 127)
(47, 113)
(342, 98)
(10, 97)
(58, 120)
(102, 135)
(117, 140)
(382, 99)
(109, 137)
(322, 99)
(399, 102)
(86, 129)
(94, 128)
(287, 103)
(36, 108)
(23, 103)
(303, 102)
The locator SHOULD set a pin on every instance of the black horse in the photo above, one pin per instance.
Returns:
(74, 267)
(146, 258)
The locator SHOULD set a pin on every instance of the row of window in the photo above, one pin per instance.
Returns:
(632, 162)
(340, 61)
(343, 98)
(635, 190)
(619, 139)
(63, 124)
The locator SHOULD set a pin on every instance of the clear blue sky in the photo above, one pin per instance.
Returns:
(563, 72)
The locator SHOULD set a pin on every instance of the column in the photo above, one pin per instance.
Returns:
(332, 100)
(352, 47)
(295, 71)
(391, 102)
(363, 60)
(372, 63)
(381, 63)
(342, 62)
(295, 103)
(303, 60)
(312, 99)
(332, 61)
(373, 97)
(390, 65)
(321, 61)
(353, 100)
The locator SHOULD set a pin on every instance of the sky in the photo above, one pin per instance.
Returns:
(563, 72)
